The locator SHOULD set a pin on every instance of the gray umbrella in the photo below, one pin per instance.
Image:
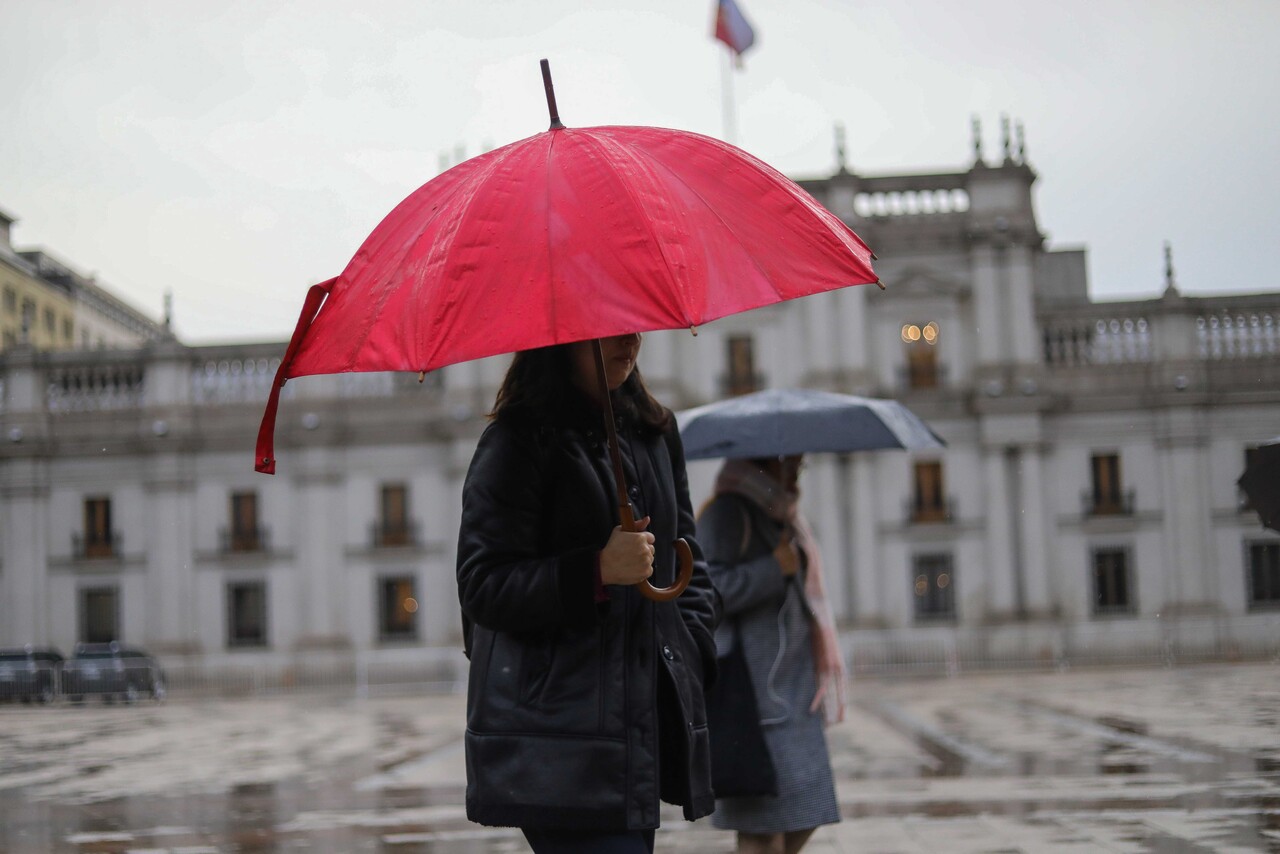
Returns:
(1261, 482)
(785, 421)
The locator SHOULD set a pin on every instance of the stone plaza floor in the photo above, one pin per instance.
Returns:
(1113, 760)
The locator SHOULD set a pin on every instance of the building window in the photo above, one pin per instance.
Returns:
(928, 503)
(99, 615)
(246, 533)
(1107, 496)
(99, 540)
(50, 321)
(1264, 575)
(1112, 584)
(68, 330)
(247, 613)
(934, 587)
(742, 377)
(393, 520)
(922, 355)
(10, 301)
(397, 609)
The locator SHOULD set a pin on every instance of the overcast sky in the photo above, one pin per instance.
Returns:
(236, 152)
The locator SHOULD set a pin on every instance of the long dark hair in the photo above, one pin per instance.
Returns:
(539, 384)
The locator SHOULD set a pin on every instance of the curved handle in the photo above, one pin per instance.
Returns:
(684, 557)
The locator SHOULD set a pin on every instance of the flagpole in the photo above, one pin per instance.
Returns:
(727, 100)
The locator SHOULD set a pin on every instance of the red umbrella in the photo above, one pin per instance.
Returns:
(573, 234)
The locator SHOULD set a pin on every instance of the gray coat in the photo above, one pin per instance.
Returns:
(772, 615)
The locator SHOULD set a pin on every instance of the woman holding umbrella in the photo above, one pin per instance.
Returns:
(585, 700)
(766, 566)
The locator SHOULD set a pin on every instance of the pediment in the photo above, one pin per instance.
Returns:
(917, 282)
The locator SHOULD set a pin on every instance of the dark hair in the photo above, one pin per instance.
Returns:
(539, 384)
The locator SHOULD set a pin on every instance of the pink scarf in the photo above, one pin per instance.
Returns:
(742, 477)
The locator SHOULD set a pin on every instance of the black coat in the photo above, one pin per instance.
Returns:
(580, 713)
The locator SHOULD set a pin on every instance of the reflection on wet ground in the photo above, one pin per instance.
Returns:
(1124, 761)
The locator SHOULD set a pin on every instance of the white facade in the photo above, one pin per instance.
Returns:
(1027, 380)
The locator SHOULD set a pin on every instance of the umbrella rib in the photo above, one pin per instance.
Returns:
(551, 277)
(398, 254)
(727, 229)
(442, 207)
(500, 157)
(599, 145)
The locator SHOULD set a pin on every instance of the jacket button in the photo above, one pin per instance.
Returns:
(667, 653)
(635, 491)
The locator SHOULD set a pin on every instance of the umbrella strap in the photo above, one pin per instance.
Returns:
(626, 516)
(265, 456)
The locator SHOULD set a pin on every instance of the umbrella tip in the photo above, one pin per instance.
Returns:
(694, 330)
(879, 284)
(550, 90)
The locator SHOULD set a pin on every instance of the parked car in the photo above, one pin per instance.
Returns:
(29, 673)
(112, 671)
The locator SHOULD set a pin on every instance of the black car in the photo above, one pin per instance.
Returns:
(29, 673)
(112, 671)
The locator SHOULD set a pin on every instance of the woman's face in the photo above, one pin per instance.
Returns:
(620, 353)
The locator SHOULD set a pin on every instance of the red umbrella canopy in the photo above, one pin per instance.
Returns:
(572, 234)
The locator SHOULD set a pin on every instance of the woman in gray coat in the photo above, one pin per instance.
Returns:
(763, 561)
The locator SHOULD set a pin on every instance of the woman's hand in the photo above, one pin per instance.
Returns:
(786, 556)
(628, 557)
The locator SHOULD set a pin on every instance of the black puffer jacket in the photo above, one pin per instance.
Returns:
(579, 713)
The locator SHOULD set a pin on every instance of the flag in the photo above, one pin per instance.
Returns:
(732, 28)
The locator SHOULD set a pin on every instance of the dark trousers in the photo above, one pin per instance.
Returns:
(589, 842)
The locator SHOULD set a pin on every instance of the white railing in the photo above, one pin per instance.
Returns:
(1071, 342)
(1238, 335)
(247, 380)
(93, 388)
(910, 202)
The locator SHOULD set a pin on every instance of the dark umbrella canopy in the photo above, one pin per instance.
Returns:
(787, 421)
(1261, 482)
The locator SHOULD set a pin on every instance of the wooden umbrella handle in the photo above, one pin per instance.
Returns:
(684, 559)
(626, 516)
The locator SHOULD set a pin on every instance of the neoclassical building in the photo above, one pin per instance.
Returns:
(47, 305)
(1085, 507)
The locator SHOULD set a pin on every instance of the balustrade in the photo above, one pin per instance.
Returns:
(910, 202)
(91, 388)
(1238, 335)
(1072, 342)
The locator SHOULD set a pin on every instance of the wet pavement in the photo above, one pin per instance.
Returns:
(1118, 760)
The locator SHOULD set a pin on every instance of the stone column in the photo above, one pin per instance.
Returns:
(818, 337)
(171, 621)
(24, 503)
(1189, 585)
(319, 550)
(1022, 331)
(988, 312)
(1000, 585)
(851, 341)
(1037, 594)
(24, 588)
(867, 605)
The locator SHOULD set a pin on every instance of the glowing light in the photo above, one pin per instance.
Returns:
(922, 585)
(943, 580)
(930, 332)
(411, 605)
(910, 333)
